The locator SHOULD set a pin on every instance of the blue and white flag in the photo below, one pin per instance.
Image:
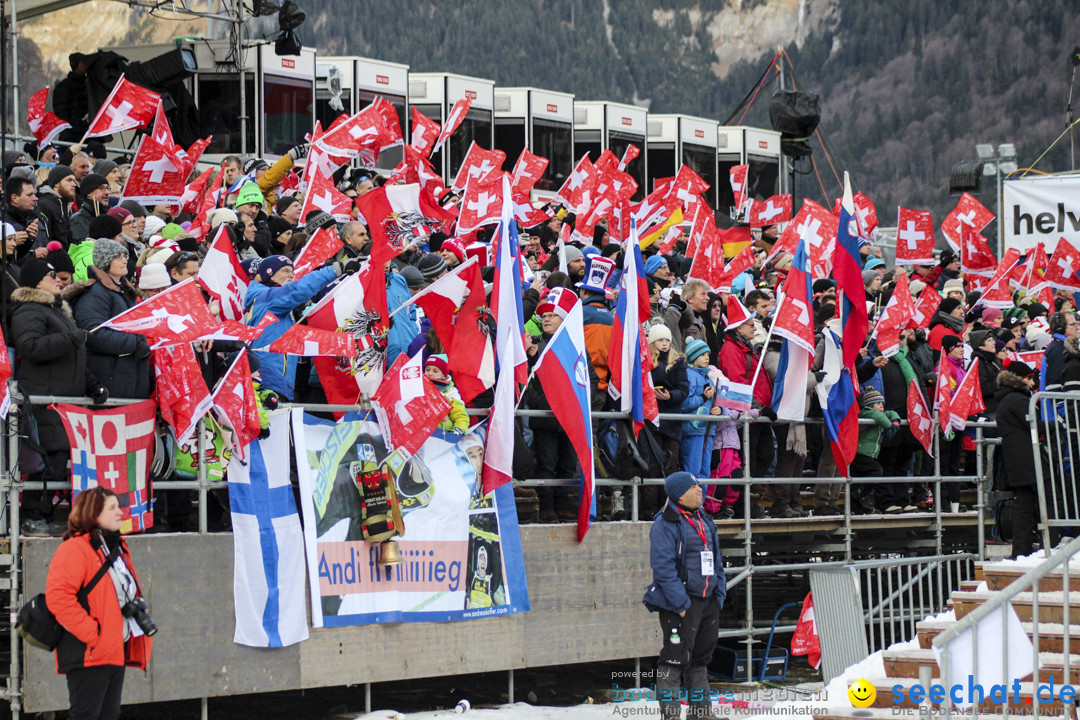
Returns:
(268, 545)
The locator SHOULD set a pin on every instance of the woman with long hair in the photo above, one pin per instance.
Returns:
(102, 634)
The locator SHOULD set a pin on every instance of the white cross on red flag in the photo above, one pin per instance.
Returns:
(927, 305)
(481, 203)
(968, 212)
(737, 176)
(628, 156)
(235, 403)
(895, 317)
(740, 263)
(408, 406)
(128, 106)
(180, 389)
(1062, 272)
(44, 124)
(776, 209)
(914, 237)
(424, 132)
(478, 164)
(709, 258)
(976, 257)
(308, 341)
(527, 170)
(179, 314)
(968, 399)
(997, 293)
(322, 195)
(453, 121)
(222, 276)
(577, 190)
(920, 421)
(319, 248)
(200, 226)
(157, 175)
(688, 186)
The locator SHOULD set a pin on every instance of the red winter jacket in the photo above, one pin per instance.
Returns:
(738, 362)
(95, 632)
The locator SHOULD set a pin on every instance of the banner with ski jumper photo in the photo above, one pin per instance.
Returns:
(460, 552)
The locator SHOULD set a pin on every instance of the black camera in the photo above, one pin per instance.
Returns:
(137, 608)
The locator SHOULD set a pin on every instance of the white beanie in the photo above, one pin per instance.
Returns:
(153, 226)
(154, 276)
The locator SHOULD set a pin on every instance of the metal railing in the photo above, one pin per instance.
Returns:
(949, 644)
(1055, 437)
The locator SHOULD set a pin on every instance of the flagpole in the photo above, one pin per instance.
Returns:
(456, 271)
(768, 337)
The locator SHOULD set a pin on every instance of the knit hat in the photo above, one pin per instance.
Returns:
(572, 254)
(215, 218)
(870, 397)
(278, 226)
(413, 277)
(317, 219)
(948, 305)
(249, 193)
(153, 226)
(104, 226)
(270, 265)
(134, 208)
(106, 250)
(948, 342)
(161, 255)
(977, 338)
(947, 258)
(438, 361)
(676, 484)
(654, 263)
(916, 287)
(455, 246)
(173, 231)
(868, 276)
(873, 263)
(954, 285)
(104, 167)
(659, 331)
(254, 164)
(154, 276)
(251, 267)
(284, 202)
(33, 270)
(119, 213)
(1036, 309)
(59, 258)
(695, 349)
(57, 174)
(431, 266)
(589, 250)
(823, 284)
(989, 315)
(1022, 369)
(92, 182)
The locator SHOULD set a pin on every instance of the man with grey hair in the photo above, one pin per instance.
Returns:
(80, 165)
(354, 235)
(685, 313)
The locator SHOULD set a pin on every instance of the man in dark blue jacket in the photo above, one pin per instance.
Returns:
(688, 590)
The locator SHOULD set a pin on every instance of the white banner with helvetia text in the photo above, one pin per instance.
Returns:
(460, 552)
(1041, 209)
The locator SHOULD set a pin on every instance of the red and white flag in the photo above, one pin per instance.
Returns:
(739, 264)
(914, 237)
(816, 226)
(895, 317)
(399, 215)
(222, 276)
(180, 389)
(997, 293)
(478, 165)
(415, 168)
(5, 375)
(968, 212)
(322, 195)
(200, 226)
(865, 215)
(114, 448)
(195, 191)
(319, 248)
(925, 308)
(363, 134)
(470, 352)
(976, 257)
(128, 106)
(805, 641)
(527, 215)
(967, 400)
(943, 392)
(481, 203)
(776, 209)
(408, 406)
(737, 177)
(158, 175)
(44, 124)
(163, 133)
(235, 403)
(453, 122)
(1033, 270)
(576, 192)
(307, 341)
(688, 186)
(628, 156)
(425, 132)
(708, 262)
(179, 314)
(920, 421)
(1063, 268)
(197, 148)
(527, 170)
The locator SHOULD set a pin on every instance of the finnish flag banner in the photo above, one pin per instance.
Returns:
(268, 545)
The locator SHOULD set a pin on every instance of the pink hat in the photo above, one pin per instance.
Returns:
(438, 361)
(737, 314)
(989, 315)
(120, 214)
(559, 301)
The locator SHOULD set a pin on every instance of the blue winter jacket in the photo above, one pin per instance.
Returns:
(696, 403)
(403, 325)
(277, 372)
(675, 556)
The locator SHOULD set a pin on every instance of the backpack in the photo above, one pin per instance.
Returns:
(39, 627)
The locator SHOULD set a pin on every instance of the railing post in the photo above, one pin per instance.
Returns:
(747, 550)
(635, 497)
(937, 503)
(13, 485)
(980, 487)
(203, 482)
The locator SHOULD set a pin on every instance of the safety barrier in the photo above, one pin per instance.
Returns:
(897, 590)
(1055, 416)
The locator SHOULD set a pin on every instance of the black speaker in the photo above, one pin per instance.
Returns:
(965, 177)
(795, 115)
(173, 66)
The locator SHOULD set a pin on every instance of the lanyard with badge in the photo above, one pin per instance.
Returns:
(706, 554)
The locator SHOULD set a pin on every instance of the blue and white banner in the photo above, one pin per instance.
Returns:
(268, 544)
(460, 551)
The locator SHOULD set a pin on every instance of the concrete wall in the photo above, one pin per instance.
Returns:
(586, 606)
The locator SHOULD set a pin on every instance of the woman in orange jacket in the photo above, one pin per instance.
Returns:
(100, 638)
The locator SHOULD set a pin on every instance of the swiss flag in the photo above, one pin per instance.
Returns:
(895, 317)
(222, 276)
(399, 215)
(481, 203)
(865, 215)
(739, 264)
(453, 122)
(709, 258)
(1033, 271)
(197, 148)
(737, 177)
(997, 293)
(364, 133)
(776, 209)
(193, 195)
(968, 212)
(794, 316)
(478, 164)
(968, 399)
(322, 195)
(920, 421)
(180, 389)
(319, 248)
(162, 132)
(200, 226)
(179, 314)
(657, 204)
(1064, 266)
(628, 156)
(128, 106)
(817, 227)
(925, 308)
(577, 190)
(45, 125)
(408, 406)
(307, 341)
(976, 257)
(235, 403)
(688, 186)
(424, 132)
(158, 175)
(527, 215)
(943, 393)
(527, 170)
(914, 237)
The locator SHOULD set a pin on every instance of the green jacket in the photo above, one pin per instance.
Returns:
(870, 435)
(82, 256)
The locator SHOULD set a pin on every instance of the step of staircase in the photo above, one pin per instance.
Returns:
(907, 663)
(1051, 635)
(999, 577)
(1051, 605)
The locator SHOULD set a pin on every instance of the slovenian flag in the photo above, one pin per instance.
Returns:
(839, 404)
(847, 270)
(795, 325)
(563, 370)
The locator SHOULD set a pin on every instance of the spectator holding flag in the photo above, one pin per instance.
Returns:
(738, 362)
(697, 434)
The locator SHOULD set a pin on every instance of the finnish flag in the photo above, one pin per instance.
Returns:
(268, 544)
